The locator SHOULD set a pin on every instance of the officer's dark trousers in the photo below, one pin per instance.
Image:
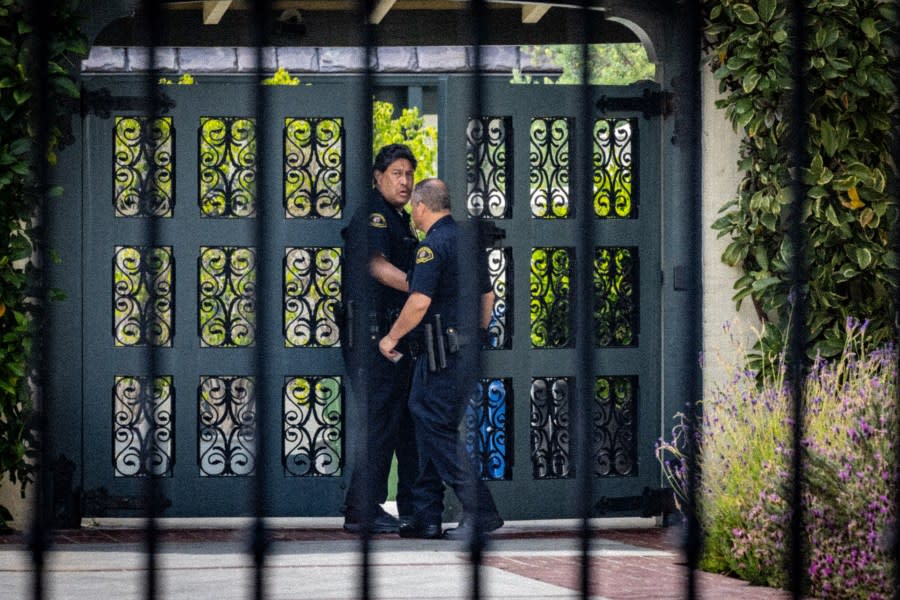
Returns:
(437, 408)
(389, 427)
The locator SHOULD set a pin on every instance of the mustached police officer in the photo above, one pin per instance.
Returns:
(379, 253)
(437, 400)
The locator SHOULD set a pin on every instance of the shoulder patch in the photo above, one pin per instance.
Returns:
(377, 220)
(423, 255)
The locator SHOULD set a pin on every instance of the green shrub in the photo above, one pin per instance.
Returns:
(19, 197)
(849, 478)
(848, 212)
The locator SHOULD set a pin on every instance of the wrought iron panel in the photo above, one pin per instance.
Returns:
(550, 446)
(226, 314)
(616, 284)
(312, 293)
(313, 427)
(488, 140)
(227, 167)
(143, 442)
(486, 432)
(549, 172)
(614, 196)
(500, 272)
(551, 270)
(614, 426)
(226, 421)
(143, 296)
(141, 143)
(313, 168)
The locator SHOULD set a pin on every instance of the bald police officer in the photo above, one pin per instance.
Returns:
(436, 402)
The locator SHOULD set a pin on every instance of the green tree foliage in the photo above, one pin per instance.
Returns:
(609, 64)
(18, 204)
(410, 129)
(848, 212)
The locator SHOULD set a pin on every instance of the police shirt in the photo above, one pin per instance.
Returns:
(436, 272)
(389, 232)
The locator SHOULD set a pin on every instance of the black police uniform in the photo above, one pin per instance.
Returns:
(388, 231)
(436, 403)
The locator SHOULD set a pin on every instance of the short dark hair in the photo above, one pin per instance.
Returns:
(433, 193)
(390, 153)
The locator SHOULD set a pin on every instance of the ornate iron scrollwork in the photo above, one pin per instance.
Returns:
(550, 452)
(227, 167)
(313, 427)
(550, 297)
(616, 314)
(499, 329)
(488, 140)
(143, 149)
(226, 293)
(614, 195)
(549, 173)
(143, 426)
(313, 168)
(227, 426)
(312, 294)
(143, 296)
(614, 426)
(486, 431)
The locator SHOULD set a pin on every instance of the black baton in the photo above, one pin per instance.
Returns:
(429, 347)
(439, 338)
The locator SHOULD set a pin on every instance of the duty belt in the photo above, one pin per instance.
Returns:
(440, 342)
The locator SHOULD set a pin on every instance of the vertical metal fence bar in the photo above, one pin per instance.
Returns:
(363, 10)
(259, 537)
(151, 484)
(796, 351)
(39, 533)
(893, 537)
(478, 25)
(584, 338)
(693, 534)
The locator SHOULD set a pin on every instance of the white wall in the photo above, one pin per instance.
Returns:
(720, 154)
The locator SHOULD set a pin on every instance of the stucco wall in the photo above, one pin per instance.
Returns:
(720, 180)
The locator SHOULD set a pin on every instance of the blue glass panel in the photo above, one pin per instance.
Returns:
(486, 433)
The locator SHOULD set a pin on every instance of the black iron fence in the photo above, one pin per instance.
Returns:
(40, 531)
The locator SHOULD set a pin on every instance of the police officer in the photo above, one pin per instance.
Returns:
(437, 400)
(379, 253)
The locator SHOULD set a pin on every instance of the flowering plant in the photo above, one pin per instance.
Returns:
(849, 473)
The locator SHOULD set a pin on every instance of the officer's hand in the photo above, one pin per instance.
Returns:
(386, 346)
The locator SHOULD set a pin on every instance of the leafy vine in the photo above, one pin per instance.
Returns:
(848, 212)
(19, 202)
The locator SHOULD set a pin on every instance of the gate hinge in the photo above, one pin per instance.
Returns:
(99, 503)
(102, 103)
(653, 502)
(649, 104)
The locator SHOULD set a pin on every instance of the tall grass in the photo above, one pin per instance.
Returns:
(850, 473)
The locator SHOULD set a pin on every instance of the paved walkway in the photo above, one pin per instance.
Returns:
(315, 559)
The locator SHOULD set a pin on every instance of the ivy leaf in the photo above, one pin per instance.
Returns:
(767, 9)
(868, 28)
(746, 14)
(751, 79)
(765, 282)
(21, 96)
(829, 138)
(863, 257)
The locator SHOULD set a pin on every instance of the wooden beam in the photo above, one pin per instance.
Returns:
(532, 13)
(380, 11)
(214, 10)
